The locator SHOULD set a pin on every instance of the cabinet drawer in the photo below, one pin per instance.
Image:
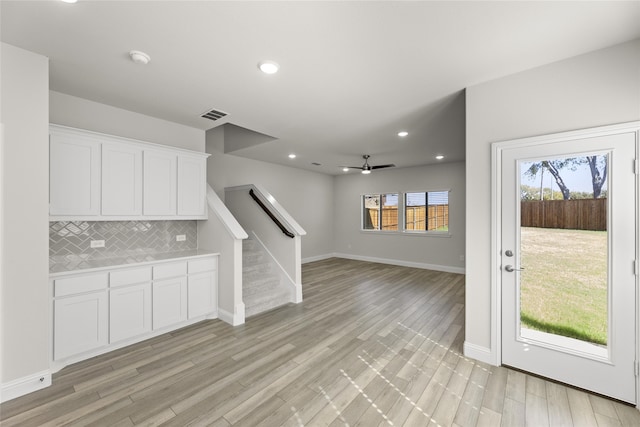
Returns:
(206, 264)
(80, 284)
(130, 277)
(169, 270)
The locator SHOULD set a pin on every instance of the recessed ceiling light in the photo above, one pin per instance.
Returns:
(139, 57)
(268, 67)
(292, 156)
(345, 169)
(70, 1)
(439, 157)
(366, 171)
(403, 133)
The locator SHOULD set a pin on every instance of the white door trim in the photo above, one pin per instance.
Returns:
(496, 221)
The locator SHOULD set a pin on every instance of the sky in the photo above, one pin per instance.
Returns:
(578, 180)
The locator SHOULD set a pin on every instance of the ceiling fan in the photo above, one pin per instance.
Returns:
(367, 168)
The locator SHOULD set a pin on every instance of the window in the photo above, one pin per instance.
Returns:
(380, 212)
(428, 211)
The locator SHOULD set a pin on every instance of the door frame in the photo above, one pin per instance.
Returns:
(496, 224)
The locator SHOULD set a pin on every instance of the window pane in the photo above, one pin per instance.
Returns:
(370, 209)
(415, 211)
(390, 211)
(438, 210)
(427, 211)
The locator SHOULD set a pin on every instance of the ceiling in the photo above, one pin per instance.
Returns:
(353, 74)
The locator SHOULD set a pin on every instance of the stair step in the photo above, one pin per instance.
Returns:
(256, 269)
(250, 244)
(252, 258)
(259, 285)
(262, 302)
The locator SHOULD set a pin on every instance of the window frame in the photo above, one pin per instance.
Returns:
(420, 232)
(402, 226)
(380, 229)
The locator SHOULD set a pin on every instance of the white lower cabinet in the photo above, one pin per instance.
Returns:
(169, 302)
(80, 323)
(106, 309)
(203, 294)
(129, 311)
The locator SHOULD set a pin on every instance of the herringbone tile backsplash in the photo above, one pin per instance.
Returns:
(122, 238)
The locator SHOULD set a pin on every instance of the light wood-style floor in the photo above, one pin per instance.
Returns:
(371, 345)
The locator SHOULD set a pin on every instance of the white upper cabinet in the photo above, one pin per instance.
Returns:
(160, 183)
(74, 167)
(96, 177)
(121, 179)
(192, 178)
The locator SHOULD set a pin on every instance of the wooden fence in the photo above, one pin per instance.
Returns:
(438, 218)
(580, 214)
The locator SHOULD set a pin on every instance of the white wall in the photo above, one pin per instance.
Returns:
(441, 253)
(81, 113)
(307, 196)
(598, 88)
(24, 307)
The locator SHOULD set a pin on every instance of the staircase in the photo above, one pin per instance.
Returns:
(262, 288)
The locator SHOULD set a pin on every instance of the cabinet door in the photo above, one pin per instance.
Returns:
(81, 324)
(159, 183)
(121, 179)
(192, 191)
(129, 311)
(169, 302)
(74, 183)
(203, 294)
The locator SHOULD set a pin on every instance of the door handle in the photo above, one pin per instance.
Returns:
(511, 269)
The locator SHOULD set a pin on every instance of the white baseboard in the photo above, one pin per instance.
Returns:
(425, 266)
(234, 319)
(318, 258)
(483, 354)
(26, 385)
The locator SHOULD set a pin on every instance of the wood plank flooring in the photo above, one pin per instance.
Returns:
(371, 345)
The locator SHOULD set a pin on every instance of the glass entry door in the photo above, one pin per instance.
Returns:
(567, 262)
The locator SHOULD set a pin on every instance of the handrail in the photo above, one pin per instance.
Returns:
(271, 215)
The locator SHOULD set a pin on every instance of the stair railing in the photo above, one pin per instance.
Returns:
(271, 215)
(283, 243)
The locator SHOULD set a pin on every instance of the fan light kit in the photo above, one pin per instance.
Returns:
(268, 67)
(292, 156)
(139, 57)
(403, 133)
(366, 168)
(439, 157)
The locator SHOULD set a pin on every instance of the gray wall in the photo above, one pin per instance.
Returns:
(594, 89)
(307, 196)
(436, 252)
(81, 113)
(24, 219)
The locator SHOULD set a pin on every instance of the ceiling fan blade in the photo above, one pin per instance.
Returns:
(383, 166)
(352, 167)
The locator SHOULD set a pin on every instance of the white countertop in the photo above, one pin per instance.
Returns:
(80, 265)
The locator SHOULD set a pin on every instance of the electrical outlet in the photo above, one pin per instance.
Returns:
(97, 244)
(461, 257)
(181, 238)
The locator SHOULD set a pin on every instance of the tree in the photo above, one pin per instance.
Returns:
(554, 167)
(597, 167)
(597, 163)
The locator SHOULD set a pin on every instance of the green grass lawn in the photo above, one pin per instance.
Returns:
(564, 284)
